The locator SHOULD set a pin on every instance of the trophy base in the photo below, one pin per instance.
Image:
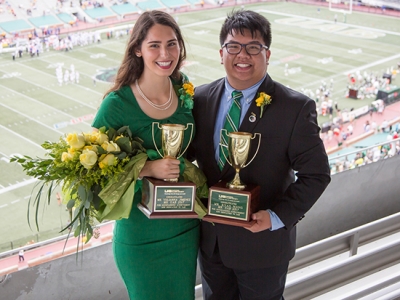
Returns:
(170, 215)
(227, 221)
(167, 200)
(232, 206)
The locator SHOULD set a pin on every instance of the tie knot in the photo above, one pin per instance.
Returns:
(237, 95)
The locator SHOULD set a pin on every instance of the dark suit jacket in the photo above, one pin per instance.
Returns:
(289, 141)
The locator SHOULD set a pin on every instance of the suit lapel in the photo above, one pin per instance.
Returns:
(213, 103)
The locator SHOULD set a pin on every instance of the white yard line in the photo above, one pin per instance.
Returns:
(51, 90)
(22, 137)
(44, 104)
(32, 119)
(327, 21)
(16, 186)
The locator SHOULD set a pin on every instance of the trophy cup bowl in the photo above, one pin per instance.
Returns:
(168, 198)
(233, 203)
(238, 149)
(172, 139)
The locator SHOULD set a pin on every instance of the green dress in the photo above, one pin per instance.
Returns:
(156, 258)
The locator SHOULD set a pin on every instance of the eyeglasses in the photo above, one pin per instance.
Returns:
(251, 49)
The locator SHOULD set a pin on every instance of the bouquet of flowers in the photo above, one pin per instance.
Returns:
(97, 172)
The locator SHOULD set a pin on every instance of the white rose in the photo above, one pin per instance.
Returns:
(88, 158)
(110, 146)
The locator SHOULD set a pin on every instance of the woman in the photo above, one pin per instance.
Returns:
(156, 258)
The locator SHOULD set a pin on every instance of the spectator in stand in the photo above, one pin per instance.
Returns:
(385, 126)
(367, 126)
(350, 129)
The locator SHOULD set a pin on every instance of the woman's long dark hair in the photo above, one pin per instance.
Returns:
(132, 66)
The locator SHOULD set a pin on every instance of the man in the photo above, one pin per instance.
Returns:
(251, 263)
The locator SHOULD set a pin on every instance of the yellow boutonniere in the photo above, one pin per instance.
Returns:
(186, 93)
(262, 100)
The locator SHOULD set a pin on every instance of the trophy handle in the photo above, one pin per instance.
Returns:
(190, 139)
(221, 145)
(258, 147)
(152, 134)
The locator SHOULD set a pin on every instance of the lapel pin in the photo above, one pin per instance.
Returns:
(252, 117)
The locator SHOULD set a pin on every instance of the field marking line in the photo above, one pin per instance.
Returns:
(41, 103)
(328, 21)
(22, 137)
(28, 117)
(203, 22)
(294, 16)
(372, 64)
(361, 68)
(5, 155)
(18, 185)
(113, 60)
(53, 76)
(84, 62)
(81, 73)
(52, 91)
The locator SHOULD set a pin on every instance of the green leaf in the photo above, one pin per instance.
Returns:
(82, 193)
(121, 155)
(77, 230)
(123, 130)
(100, 150)
(125, 144)
(111, 134)
(70, 204)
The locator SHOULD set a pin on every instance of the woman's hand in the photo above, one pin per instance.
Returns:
(166, 168)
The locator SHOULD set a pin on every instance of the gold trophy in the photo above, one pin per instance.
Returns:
(168, 198)
(233, 203)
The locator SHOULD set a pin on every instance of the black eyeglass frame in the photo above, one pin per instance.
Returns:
(244, 46)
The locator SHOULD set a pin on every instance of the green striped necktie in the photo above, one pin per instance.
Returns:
(231, 125)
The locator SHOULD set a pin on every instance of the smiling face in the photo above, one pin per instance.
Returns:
(160, 51)
(244, 70)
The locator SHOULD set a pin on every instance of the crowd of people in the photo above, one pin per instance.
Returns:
(369, 155)
(68, 76)
(368, 84)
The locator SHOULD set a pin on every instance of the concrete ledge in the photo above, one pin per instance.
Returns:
(9, 270)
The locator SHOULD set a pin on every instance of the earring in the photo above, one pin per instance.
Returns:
(138, 55)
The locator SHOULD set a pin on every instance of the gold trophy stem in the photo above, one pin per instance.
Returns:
(171, 180)
(236, 183)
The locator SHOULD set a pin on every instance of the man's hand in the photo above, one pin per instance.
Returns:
(263, 221)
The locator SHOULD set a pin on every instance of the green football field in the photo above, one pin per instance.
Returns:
(308, 47)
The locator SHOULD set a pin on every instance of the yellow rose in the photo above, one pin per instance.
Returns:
(101, 138)
(66, 156)
(110, 146)
(91, 137)
(76, 141)
(88, 158)
(188, 87)
(91, 148)
(108, 160)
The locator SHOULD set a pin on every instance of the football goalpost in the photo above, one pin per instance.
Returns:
(341, 6)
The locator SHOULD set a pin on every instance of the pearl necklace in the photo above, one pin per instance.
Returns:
(163, 106)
